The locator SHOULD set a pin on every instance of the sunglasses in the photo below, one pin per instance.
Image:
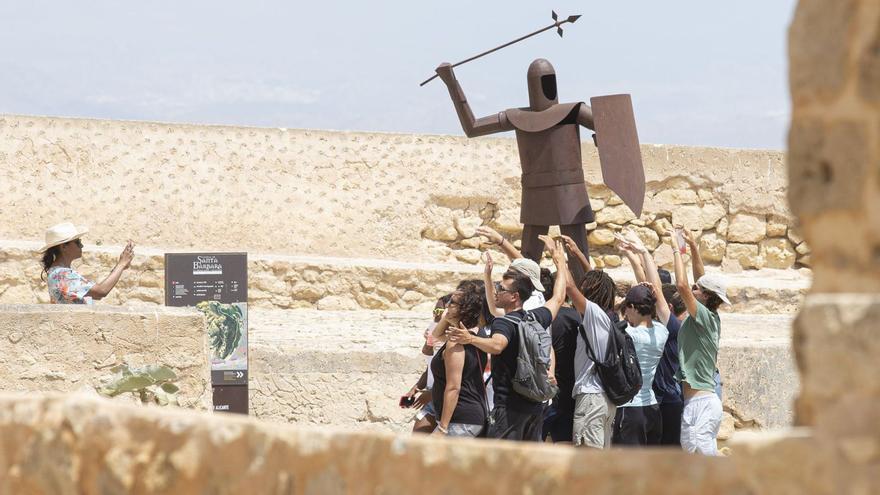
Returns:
(500, 288)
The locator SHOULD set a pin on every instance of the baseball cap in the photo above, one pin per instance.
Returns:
(640, 294)
(716, 284)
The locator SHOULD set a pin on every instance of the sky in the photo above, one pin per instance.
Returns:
(700, 72)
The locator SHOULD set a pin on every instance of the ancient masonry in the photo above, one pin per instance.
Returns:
(357, 200)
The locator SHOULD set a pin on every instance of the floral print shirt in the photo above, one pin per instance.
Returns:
(68, 287)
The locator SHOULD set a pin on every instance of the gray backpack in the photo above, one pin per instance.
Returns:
(531, 378)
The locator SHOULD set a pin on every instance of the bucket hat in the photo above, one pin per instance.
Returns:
(530, 269)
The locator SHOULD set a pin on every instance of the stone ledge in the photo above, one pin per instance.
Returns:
(328, 283)
(66, 444)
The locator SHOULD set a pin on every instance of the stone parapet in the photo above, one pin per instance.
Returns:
(76, 444)
(69, 348)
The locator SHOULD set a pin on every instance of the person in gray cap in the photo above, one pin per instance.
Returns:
(698, 341)
(522, 265)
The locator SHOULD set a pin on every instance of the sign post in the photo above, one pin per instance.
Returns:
(216, 284)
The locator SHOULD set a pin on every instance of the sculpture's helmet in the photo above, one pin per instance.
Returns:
(542, 85)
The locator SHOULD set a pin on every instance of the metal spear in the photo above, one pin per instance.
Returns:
(556, 24)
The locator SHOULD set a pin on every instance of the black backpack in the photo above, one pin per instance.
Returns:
(620, 373)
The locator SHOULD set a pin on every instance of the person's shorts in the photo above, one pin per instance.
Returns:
(463, 430)
(700, 421)
(428, 410)
(593, 421)
(638, 425)
(508, 424)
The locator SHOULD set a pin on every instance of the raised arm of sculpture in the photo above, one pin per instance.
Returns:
(472, 127)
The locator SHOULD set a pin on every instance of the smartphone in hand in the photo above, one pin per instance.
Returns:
(407, 401)
(679, 239)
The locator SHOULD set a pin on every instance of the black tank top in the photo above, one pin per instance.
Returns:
(471, 407)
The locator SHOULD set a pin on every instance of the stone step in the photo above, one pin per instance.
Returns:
(327, 283)
(349, 368)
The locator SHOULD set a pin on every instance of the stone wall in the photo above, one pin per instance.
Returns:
(296, 282)
(80, 445)
(834, 171)
(65, 349)
(396, 197)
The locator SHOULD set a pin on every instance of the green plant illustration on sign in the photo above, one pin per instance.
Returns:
(224, 326)
(151, 383)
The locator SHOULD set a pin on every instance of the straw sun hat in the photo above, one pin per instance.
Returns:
(61, 233)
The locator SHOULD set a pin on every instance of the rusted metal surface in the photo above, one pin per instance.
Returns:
(619, 151)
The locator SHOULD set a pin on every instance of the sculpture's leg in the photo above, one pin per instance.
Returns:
(578, 233)
(532, 247)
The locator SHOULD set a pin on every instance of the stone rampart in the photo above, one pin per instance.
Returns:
(396, 197)
(66, 349)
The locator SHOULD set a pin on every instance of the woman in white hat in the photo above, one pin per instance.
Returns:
(66, 286)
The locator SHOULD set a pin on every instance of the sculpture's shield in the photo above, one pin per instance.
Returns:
(619, 151)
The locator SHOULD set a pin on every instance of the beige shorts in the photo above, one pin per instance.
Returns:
(593, 421)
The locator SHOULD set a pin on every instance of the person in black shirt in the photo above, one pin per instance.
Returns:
(515, 417)
(559, 415)
(459, 392)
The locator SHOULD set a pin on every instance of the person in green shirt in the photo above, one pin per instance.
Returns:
(698, 341)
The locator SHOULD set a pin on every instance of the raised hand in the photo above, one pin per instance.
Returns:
(490, 233)
(549, 244)
(689, 237)
(127, 255)
(444, 70)
(487, 272)
(570, 244)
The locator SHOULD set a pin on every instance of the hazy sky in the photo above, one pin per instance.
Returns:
(700, 72)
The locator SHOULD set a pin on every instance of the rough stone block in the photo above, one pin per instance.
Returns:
(661, 226)
(745, 254)
(836, 346)
(776, 226)
(802, 248)
(819, 48)
(869, 70)
(676, 196)
(648, 237)
(746, 228)
(471, 256)
(440, 233)
(612, 260)
(722, 227)
(601, 237)
(777, 253)
(619, 214)
(829, 164)
(688, 216)
(712, 247)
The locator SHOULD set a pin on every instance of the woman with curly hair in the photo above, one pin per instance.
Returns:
(459, 390)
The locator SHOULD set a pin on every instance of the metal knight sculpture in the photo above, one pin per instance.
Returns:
(548, 138)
